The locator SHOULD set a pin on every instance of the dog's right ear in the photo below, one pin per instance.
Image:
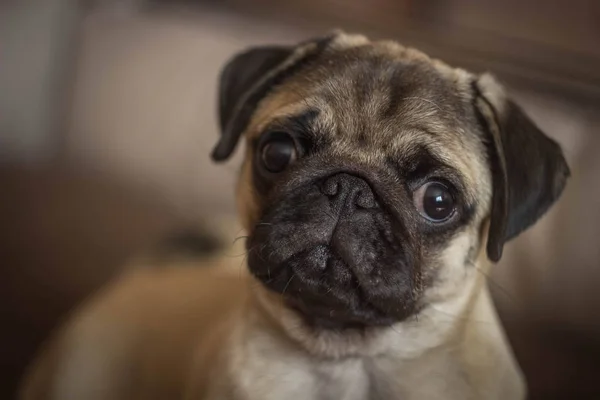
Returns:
(236, 82)
(247, 78)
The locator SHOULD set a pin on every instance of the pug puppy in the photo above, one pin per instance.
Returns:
(379, 186)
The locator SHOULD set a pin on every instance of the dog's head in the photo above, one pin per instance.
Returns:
(374, 173)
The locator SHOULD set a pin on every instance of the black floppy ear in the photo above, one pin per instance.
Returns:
(247, 78)
(529, 170)
(236, 80)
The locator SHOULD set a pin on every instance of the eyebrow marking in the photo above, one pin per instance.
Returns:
(301, 124)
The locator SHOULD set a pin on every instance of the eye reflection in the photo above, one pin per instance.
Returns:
(434, 201)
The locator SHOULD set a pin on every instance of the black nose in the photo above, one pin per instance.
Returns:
(345, 190)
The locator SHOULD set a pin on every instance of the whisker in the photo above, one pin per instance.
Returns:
(502, 289)
(241, 266)
(391, 326)
(258, 283)
(238, 238)
(459, 317)
(237, 255)
(288, 284)
(331, 216)
(244, 253)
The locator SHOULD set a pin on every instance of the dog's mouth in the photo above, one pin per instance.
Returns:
(325, 290)
(336, 268)
(316, 316)
(328, 292)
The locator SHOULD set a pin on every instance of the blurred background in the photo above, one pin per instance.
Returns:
(107, 117)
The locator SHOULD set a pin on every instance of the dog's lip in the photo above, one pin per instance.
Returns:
(319, 316)
(320, 321)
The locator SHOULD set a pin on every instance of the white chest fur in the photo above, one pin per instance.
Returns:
(441, 356)
(435, 376)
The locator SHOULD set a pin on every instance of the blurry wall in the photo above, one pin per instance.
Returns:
(36, 49)
(144, 101)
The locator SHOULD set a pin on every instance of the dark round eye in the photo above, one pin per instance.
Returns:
(434, 201)
(277, 152)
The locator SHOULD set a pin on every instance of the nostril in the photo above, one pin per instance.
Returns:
(331, 186)
(349, 190)
(366, 199)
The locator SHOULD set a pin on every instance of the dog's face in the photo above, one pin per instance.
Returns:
(371, 174)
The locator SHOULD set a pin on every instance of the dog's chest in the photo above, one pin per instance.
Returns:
(380, 378)
(345, 380)
(349, 379)
(386, 379)
(361, 380)
(358, 379)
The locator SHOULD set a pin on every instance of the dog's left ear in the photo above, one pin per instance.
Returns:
(247, 78)
(529, 170)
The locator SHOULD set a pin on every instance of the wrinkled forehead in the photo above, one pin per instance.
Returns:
(370, 102)
(367, 96)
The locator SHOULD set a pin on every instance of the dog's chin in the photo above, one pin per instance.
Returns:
(319, 317)
(327, 293)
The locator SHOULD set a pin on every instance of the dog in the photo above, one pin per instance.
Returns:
(379, 186)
